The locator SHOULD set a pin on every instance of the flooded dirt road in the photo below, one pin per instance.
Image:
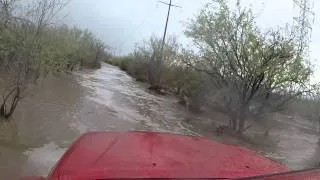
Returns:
(63, 107)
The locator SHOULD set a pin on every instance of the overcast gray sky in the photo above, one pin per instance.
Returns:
(122, 23)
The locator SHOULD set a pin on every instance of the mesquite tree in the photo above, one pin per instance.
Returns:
(253, 72)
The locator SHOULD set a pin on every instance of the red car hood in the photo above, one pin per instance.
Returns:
(105, 155)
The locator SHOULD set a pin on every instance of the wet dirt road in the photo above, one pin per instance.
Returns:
(63, 107)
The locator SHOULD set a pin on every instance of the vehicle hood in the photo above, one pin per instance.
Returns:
(104, 155)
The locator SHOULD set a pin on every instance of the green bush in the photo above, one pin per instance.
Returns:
(132, 65)
(32, 45)
(139, 68)
(122, 62)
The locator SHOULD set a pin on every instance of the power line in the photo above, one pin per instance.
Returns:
(134, 32)
(139, 28)
(165, 30)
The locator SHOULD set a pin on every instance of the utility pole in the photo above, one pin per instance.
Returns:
(159, 58)
(166, 27)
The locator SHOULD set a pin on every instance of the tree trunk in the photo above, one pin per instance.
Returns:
(241, 119)
(233, 121)
(241, 125)
(14, 104)
(178, 91)
(15, 100)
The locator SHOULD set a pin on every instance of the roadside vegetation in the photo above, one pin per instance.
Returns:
(238, 69)
(234, 68)
(33, 44)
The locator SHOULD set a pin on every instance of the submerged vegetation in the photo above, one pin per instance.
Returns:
(32, 45)
(233, 68)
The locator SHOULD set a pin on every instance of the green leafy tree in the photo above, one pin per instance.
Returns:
(252, 72)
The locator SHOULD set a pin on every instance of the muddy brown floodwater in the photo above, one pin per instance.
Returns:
(63, 107)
